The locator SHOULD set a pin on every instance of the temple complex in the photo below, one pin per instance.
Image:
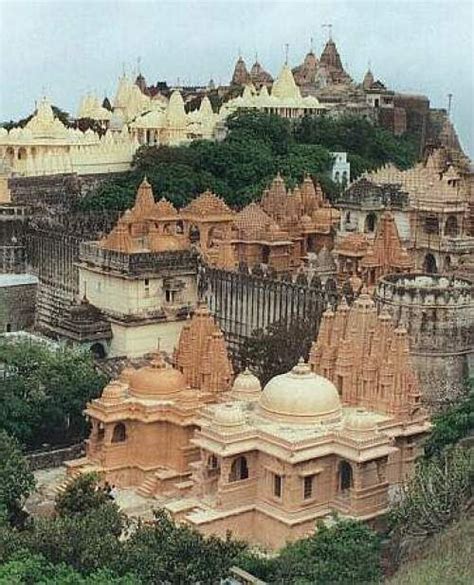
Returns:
(143, 422)
(45, 146)
(142, 276)
(284, 99)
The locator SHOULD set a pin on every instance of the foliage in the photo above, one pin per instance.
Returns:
(35, 569)
(359, 138)
(256, 147)
(16, 479)
(278, 348)
(87, 542)
(81, 496)
(438, 494)
(44, 392)
(166, 552)
(347, 552)
(451, 426)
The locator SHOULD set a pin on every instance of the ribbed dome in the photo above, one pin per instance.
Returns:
(113, 392)
(156, 380)
(229, 415)
(361, 420)
(301, 396)
(246, 385)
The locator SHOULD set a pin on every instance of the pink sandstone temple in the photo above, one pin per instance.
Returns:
(221, 454)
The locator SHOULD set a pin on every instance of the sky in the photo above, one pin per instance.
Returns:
(66, 48)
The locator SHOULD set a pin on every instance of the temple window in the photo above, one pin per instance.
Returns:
(431, 225)
(451, 227)
(370, 223)
(277, 485)
(345, 476)
(308, 485)
(170, 296)
(101, 432)
(239, 469)
(120, 434)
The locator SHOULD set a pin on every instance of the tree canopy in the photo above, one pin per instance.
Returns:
(256, 147)
(44, 392)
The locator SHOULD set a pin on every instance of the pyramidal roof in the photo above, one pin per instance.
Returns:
(285, 86)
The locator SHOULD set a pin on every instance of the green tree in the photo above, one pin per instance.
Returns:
(347, 552)
(449, 427)
(82, 496)
(16, 479)
(87, 542)
(166, 552)
(36, 570)
(44, 392)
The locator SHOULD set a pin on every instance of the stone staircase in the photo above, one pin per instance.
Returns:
(165, 482)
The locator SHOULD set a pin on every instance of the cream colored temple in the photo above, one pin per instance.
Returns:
(221, 454)
(45, 146)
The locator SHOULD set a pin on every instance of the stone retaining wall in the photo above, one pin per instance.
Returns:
(55, 457)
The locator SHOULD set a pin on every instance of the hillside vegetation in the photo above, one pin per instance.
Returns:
(256, 147)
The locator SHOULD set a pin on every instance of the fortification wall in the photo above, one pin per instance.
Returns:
(54, 189)
(17, 304)
(438, 314)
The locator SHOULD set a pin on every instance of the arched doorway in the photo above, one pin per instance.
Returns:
(429, 264)
(119, 434)
(239, 469)
(345, 481)
(97, 350)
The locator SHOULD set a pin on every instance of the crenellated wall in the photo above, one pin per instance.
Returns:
(438, 313)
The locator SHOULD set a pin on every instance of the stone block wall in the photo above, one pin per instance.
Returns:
(17, 307)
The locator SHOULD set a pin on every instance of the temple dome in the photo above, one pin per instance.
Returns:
(114, 392)
(360, 420)
(156, 381)
(229, 415)
(301, 396)
(246, 386)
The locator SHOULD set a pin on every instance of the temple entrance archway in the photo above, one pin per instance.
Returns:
(429, 264)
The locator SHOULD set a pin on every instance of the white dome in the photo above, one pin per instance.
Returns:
(229, 415)
(361, 420)
(246, 386)
(301, 396)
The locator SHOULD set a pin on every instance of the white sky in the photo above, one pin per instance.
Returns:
(67, 47)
